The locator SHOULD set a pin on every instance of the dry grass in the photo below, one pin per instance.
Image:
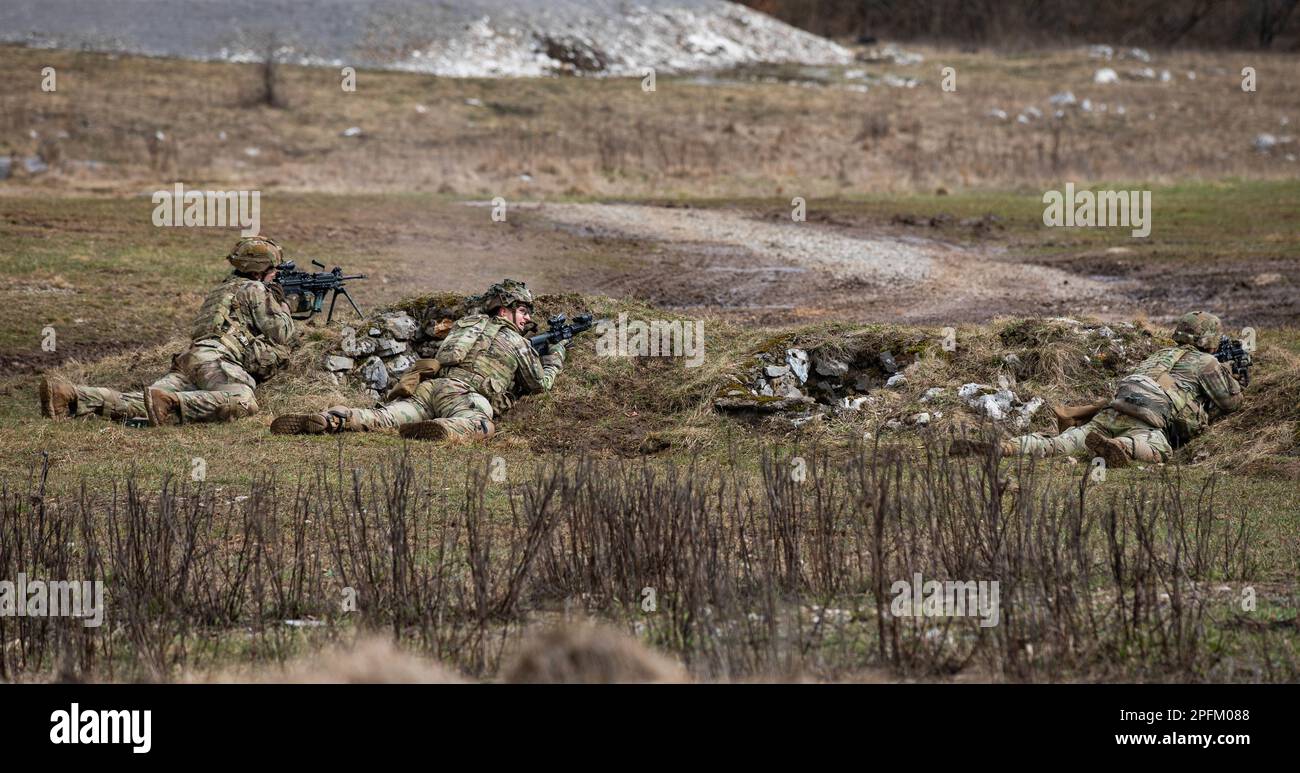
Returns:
(755, 573)
(802, 134)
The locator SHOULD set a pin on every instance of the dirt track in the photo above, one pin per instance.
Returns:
(740, 263)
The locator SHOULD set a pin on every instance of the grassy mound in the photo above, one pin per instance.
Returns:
(640, 405)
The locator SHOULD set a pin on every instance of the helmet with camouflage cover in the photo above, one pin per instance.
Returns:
(1200, 329)
(255, 254)
(507, 293)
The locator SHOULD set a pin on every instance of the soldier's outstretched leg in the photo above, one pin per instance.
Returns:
(461, 412)
(204, 385)
(1122, 439)
(61, 399)
(341, 418)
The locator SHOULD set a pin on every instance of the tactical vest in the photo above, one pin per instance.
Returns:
(218, 321)
(469, 338)
(461, 351)
(1154, 396)
(216, 316)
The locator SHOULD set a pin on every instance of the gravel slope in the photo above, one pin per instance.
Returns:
(473, 38)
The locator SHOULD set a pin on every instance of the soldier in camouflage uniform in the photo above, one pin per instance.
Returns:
(242, 335)
(1171, 396)
(479, 368)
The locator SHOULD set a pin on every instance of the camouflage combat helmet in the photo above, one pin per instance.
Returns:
(1200, 329)
(255, 255)
(508, 292)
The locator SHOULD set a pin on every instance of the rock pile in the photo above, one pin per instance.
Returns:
(802, 379)
(374, 354)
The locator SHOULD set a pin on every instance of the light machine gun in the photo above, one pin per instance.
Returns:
(308, 289)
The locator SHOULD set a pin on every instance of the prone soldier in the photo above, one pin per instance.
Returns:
(1170, 398)
(478, 369)
(242, 334)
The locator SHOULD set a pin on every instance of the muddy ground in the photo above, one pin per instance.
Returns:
(746, 263)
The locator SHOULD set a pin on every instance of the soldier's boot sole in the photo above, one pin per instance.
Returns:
(300, 424)
(1110, 449)
(58, 397)
(162, 407)
(424, 430)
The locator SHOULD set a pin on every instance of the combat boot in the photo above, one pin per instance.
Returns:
(433, 429)
(58, 398)
(162, 407)
(1113, 451)
(331, 420)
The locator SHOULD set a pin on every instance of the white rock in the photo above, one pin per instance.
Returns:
(830, 367)
(797, 359)
(401, 326)
(353, 346)
(1265, 142)
(896, 381)
(399, 365)
(388, 345)
(1105, 75)
(351, 131)
(1064, 99)
(1001, 115)
(335, 363)
(932, 393)
(375, 373)
(920, 419)
(776, 371)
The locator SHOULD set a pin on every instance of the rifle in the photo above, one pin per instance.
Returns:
(1233, 352)
(560, 331)
(310, 289)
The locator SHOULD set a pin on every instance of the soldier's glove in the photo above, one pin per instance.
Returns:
(277, 292)
(554, 355)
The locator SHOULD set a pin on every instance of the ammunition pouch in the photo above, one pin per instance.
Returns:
(420, 371)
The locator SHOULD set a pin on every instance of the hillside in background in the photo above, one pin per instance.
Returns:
(474, 38)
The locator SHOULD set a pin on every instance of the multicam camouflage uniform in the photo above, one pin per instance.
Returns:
(482, 364)
(474, 387)
(242, 333)
(1172, 395)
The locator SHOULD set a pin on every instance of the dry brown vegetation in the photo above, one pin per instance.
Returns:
(735, 134)
(755, 572)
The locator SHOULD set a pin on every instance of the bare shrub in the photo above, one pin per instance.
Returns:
(739, 568)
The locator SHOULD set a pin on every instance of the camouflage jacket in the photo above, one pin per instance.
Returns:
(491, 355)
(1181, 388)
(244, 318)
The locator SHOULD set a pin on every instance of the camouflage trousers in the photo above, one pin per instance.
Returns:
(449, 401)
(210, 384)
(1146, 443)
